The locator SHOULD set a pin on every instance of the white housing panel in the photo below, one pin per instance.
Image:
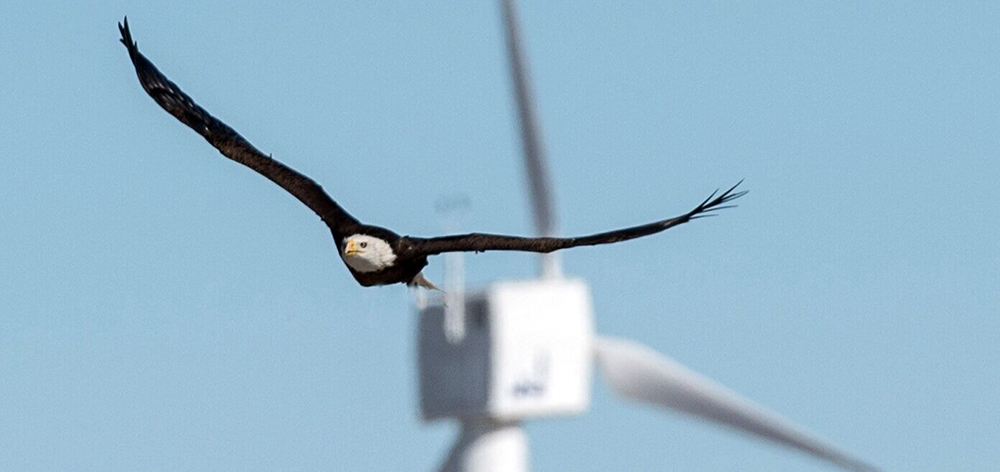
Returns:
(526, 353)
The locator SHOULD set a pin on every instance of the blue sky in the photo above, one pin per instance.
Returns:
(163, 308)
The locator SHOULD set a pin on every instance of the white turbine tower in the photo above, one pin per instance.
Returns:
(524, 349)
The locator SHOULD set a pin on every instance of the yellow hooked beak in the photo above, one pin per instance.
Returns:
(351, 249)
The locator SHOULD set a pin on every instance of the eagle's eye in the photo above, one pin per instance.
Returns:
(364, 245)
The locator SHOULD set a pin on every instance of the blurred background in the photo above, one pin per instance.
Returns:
(164, 308)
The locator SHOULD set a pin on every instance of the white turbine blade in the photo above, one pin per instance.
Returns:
(534, 151)
(639, 373)
(531, 140)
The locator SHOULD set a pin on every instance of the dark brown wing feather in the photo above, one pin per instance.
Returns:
(490, 242)
(230, 143)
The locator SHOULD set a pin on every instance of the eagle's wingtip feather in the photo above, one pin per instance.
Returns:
(126, 38)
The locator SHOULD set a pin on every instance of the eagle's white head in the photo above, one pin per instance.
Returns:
(367, 253)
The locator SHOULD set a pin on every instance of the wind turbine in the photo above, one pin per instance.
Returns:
(524, 349)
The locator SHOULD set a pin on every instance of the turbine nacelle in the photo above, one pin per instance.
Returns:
(526, 352)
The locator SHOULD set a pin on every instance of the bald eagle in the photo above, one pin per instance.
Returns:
(374, 255)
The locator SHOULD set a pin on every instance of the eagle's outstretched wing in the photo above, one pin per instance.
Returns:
(490, 242)
(230, 143)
